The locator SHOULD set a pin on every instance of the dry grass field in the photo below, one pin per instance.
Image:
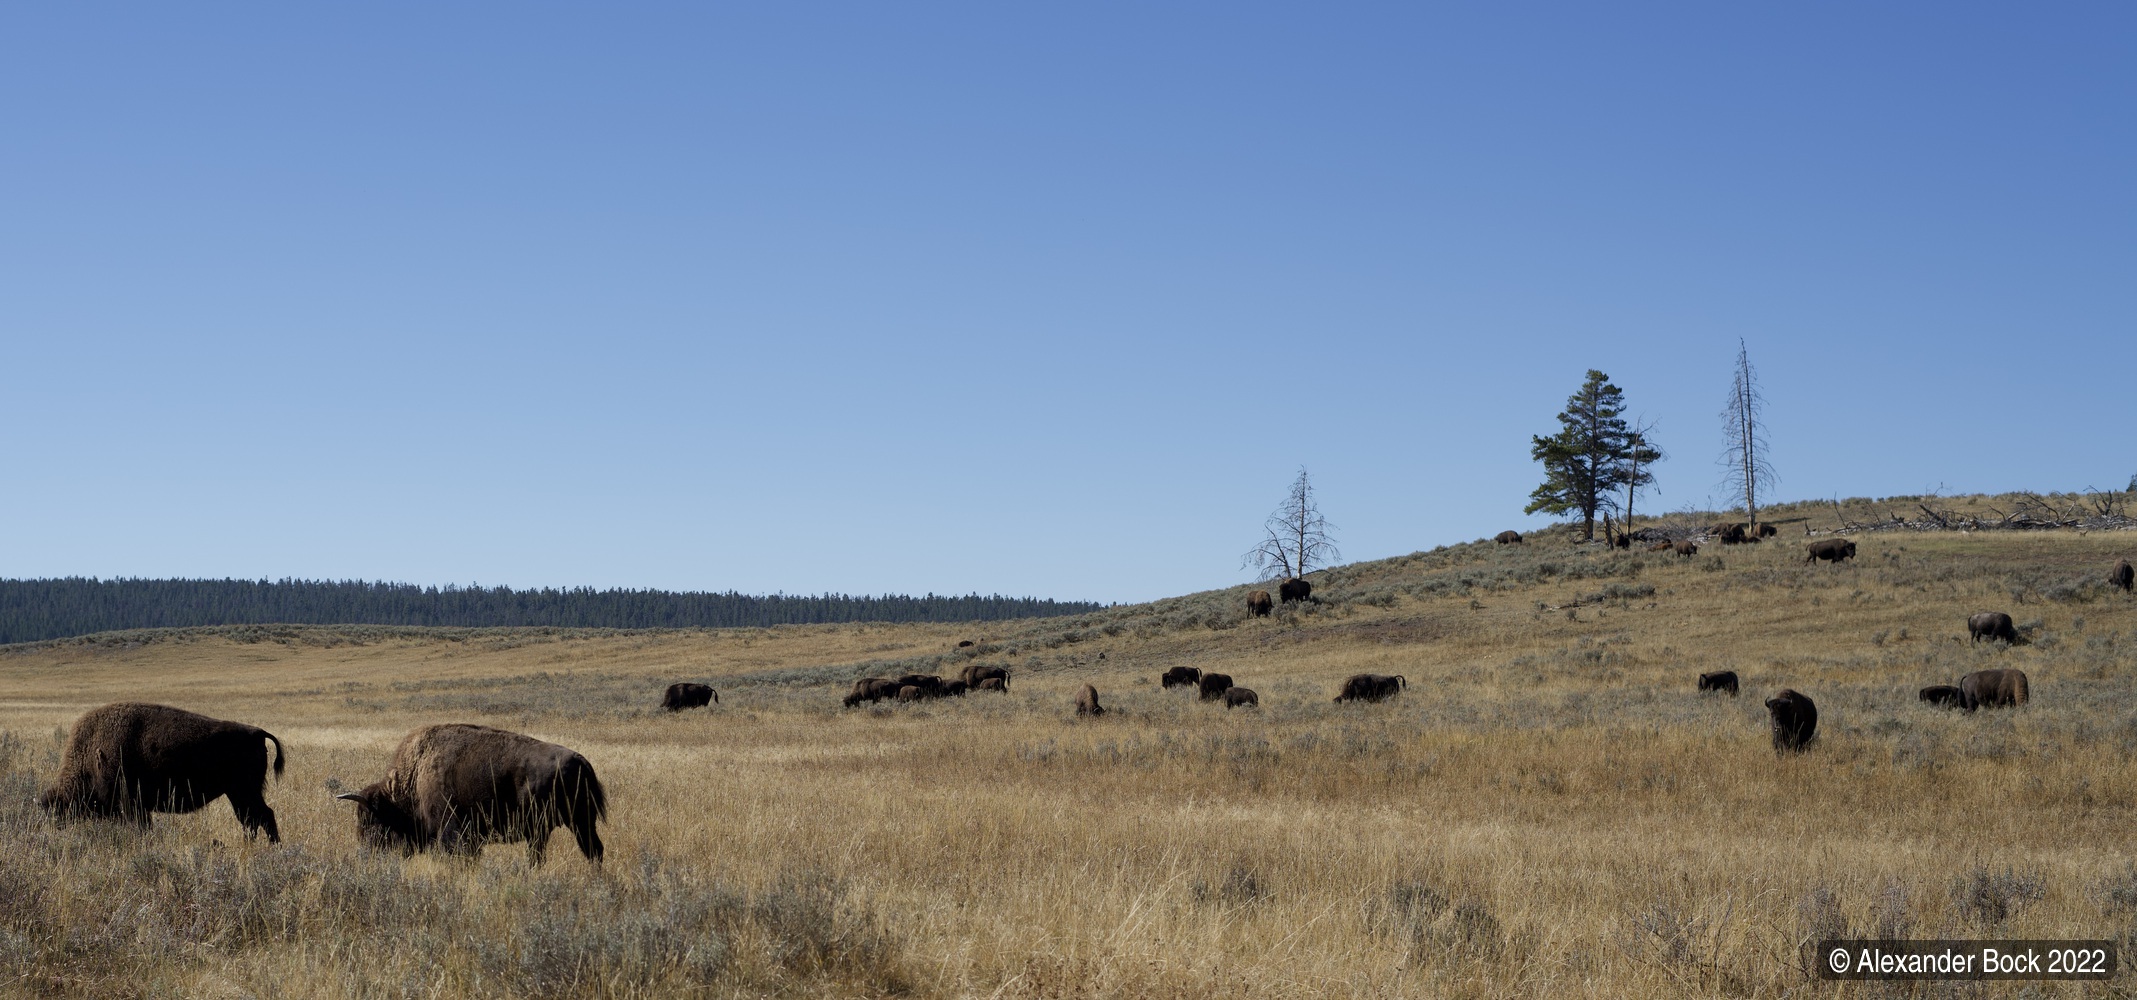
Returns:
(1550, 809)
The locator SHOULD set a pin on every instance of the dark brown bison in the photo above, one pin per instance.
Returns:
(911, 692)
(1212, 685)
(872, 689)
(1768, 531)
(1240, 697)
(1831, 550)
(1507, 538)
(688, 695)
(955, 689)
(1180, 677)
(1686, 548)
(1946, 696)
(458, 786)
(2122, 575)
(1663, 546)
(1994, 688)
(1259, 603)
(1991, 625)
(1294, 589)
(962, 643)
(999, 685)
(128, 760)
(1719, 680)
(977, 672)
(1735, 534)
(1795, 721)
(1087, 702)
(1372, 687)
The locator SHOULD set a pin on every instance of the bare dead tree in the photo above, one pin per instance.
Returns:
(1297, 542)
(1640, 451)
(1743, 430)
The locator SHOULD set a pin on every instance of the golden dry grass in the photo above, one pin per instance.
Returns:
(1549, 810)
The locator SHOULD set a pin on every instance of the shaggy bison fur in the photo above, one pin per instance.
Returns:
(1259, 604)
(1239, 697)
(872, 689)
(1212, 686)
(974, 673)
(688, 695)
(1719, 680)
(1180, 677)
(1795, 721)
(1991, 625)
(1087, 702)
(999, 685)
(1372, 687)
(1507, 538)
(1294, 589)
(1768, 531)
(1946, 696)
(1831, 550)
(458, 786)
(128, 760)
(1994, 689)
(2122, 575)
(1686, 548)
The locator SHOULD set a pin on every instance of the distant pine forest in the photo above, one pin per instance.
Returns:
(34, 610)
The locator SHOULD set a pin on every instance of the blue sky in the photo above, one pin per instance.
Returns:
(900, 298)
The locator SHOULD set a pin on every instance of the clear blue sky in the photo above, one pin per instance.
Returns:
(912, 297)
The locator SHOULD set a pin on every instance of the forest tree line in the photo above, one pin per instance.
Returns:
(33, 610)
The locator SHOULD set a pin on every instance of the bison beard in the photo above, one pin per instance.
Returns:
(1720, 680)
(459, 786)
(688, 695)
(1259, 603)
(1795, 721)
(128, 760)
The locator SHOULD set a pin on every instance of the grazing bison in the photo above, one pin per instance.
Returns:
(1294, 589)
(1662, 546)
(1686, 548)
(911, 692)
(962, 643)
(1180, 677)
(458, 786)
(1735, 534)
(872, 689)
(974, 673)
(688, 695)
(1087, 702)
(1719, 680)
(999, 685)
(1213, 685)
(1946, 696)
(1507, 538)
(1991, 625)
(128, 760)
(2122, 575)
(1994, 688)
(1795, 721)
(1768, 531)
(955, 689)
(1372, 687)
(1239, 697)
(1259, 603)
(1831, 550)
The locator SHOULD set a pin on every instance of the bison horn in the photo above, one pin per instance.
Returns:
(351, 796)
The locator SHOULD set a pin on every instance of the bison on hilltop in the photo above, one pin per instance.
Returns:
(458, 786)
(1294, 589)
(1832, 550)
(1180, 677)
(1372, 687)
(1508, 537)
(1718, 681)
(2122, 576)
(1259, 604)
(1991, 625)
(1239, 697)
(127, 760)
(1768, 531)
(1994, 689)
(687, 695)
(1945, 696)
(1795, 721)
(1686, 548)
(1087, 702)
(1212, 686)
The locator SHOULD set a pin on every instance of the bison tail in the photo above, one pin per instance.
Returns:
(715, 696)
(1402, 683)
(584, 789)
(278, 752)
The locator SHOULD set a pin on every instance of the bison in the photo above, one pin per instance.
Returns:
(458, 786)
(1795, 721)
(1180, 677)
(688, 695)
(1662, 546)
(872, 689)
(1994, 689)
(962, 643)
(1239, 697)
(1213, 686)
(1507, 538)
(1372, 687)
(1831, 550)
(955, 689)
(1087, 702)
(1259, 604)
(1946, 696)
(1768, 531)
(1735, 534)
(1294, 589)
(128, 760)
(999, 685)
(1991, 625)
(1719, 680)
(2122, 575)
(911, 692)
(974, 673)
(1686, 548)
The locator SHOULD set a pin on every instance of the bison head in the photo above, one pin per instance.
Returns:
(381, 824)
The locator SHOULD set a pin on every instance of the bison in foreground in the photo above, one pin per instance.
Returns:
(688, 695)
(1994, 689)
(1719, 680)
(1992, 625)
(1945, 696)
(1294, 589)
(1087, 702)
(1180, 677)
(1831, 550)
(1240, 697)
(128, 760)
(458, 786)
(2122, 575)
(1213, 686)
(1372, 687)
(1259, 604)
(1795, 721)
(1507, 538)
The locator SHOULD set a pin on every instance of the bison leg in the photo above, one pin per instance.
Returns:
(254, 815)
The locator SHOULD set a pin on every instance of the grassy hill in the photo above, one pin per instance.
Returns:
(1548, 809)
